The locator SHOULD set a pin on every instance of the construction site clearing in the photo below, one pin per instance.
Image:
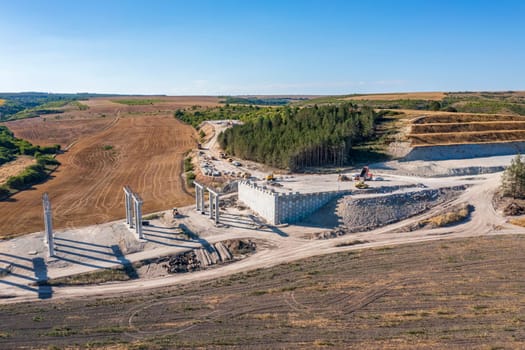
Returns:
(264, 219)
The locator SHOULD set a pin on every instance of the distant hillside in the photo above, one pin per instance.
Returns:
(505, 102)
(32, 104)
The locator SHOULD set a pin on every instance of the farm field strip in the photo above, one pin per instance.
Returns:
(144, 152)
(436, 96)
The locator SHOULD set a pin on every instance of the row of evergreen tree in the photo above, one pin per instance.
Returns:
(297, 138)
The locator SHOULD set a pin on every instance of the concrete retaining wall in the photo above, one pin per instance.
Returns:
(294, 207)
(280, 208)
(258, 199)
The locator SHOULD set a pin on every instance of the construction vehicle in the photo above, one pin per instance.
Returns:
(365, 175)
(361, 185)
(270, 177)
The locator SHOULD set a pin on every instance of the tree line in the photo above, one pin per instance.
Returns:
(296, 138)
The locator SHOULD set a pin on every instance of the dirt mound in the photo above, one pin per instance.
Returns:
(514, 209)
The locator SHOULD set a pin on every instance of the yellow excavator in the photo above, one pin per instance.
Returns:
(270, 177)
(361, 185)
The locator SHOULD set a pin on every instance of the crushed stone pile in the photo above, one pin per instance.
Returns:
(364, 214)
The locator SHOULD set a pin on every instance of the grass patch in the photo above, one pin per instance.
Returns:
(451, 217)
(107, 147)
(4, 335)
(81, 106)
(188, 164)
(63, 331)
(350, 243)
(518, 222)
(137, 102)
(102, 276)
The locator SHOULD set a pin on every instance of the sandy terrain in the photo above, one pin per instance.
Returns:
(14, 167)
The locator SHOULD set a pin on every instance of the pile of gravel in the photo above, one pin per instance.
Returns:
(364, 214)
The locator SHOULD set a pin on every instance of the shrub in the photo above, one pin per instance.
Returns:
(188, 165)
(46, 160)
(4, 192)
(190, 176)
(31, 175)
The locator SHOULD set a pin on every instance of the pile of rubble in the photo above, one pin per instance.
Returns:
(364, 214)
(514, 209)
(213, 254)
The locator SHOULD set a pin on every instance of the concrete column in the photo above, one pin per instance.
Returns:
(138, 202)
(127, 203)
(202, 200)
(211, 204)
(130, 209)
(48, 224)
(197, 197)
(216, 209)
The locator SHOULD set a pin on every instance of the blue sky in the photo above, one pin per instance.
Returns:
(261, 47)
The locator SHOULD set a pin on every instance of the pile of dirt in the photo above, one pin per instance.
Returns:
(514, 209)
(327, 234)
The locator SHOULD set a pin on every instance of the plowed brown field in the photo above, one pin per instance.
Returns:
(139, 148)
(401, 96)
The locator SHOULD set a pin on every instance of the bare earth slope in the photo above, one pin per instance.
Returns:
(458, 294)
(144, 152)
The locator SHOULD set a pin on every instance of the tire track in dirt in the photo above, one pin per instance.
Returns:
(144, 152)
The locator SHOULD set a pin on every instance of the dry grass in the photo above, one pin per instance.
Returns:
(435, 96)
(467, 127)
(15, 167)
(426, 117)
(495, 136)
(2, 102)
(455, 215)
(444, 128)
(518, 222)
